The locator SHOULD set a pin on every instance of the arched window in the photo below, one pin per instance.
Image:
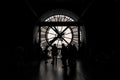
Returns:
(69, 35)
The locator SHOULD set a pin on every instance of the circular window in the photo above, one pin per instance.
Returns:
(58, 34)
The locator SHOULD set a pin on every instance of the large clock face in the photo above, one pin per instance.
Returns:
(65, 38)
(59, 34)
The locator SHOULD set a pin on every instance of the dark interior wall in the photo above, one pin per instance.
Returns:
(103, 25)
(102, 22)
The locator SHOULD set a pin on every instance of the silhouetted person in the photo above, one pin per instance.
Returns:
(72, 55)
(69, 52)
(54, 53)
(46, 53)
(64, 55)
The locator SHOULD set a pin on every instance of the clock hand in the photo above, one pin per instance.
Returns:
(64, 40)
(54, 39)
(64, 29)
(55, 30)
(59, 34)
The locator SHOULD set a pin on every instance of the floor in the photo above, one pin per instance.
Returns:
(57, 72)
(82, 71)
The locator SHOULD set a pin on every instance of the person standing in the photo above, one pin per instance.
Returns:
(74, 54)
(70, 56)
(54, 53)
(46, 53)
(64, 55)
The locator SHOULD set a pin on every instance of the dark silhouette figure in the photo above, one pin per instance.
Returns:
(46, 53)
(74, 54)
(70, 54)
(54, 53)
(64, 55)
(72, 50)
